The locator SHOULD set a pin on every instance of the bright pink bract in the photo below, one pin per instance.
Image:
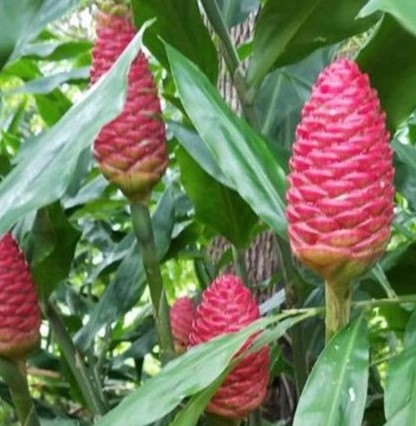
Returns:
(340, 197)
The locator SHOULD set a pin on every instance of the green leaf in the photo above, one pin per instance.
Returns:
(92, 190)
(196, 148)
(283, 93)
(239, 151)
(53, 155)
(49, 83)
(189, 374)
(388, 58)
(405, 170)
(51, 249)
(190, 414)
(216, 205)
(400, 394)
(406, 153)
(52, 106)
(403, 10)
(336, 390)
(185, 376)
(130, 279)
(22, 20)
(57, 50)
(286, 31)
(180, 26)
(236, 11)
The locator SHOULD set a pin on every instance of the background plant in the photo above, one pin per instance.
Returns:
(226, 176)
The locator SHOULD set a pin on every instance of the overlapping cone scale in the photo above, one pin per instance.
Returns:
(340, 196)
(227, 306)
(130, 150)
(181, 317)
(19, 309)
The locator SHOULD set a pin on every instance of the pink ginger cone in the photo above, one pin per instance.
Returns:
(340, 196)
(182, 315)
(130, 150)
(228, 306)
(19, 310)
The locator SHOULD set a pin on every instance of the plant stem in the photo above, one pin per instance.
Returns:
(365, 304)
(14, 374)
(144, 233)
(231, 58)
(75, 361)
(240, 265)
(338, 306)
(380, 302)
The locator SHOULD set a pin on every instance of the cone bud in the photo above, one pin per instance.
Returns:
(228, 306)
(340, 196)
(19, 313)
(131, 150)
(181, 317)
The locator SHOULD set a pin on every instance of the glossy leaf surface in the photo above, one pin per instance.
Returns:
(182, 377)
(236, 11)
(388, 58)
(180, 26)
(22, 20)
(287, 31)
(403, 10)
(336, 389)
(50, 161)
(400, 394)
(52, 245)
(188, 375)
(241, 153)
(215, 204)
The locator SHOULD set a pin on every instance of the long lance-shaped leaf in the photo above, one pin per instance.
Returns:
(188, 375)
(239, 151)
(403, 10)
(46, 169)
(389, 57)
(336, 390)
(22, 20)
(185, 376)
(400, 394)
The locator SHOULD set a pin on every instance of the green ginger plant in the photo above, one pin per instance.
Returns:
(104, 292)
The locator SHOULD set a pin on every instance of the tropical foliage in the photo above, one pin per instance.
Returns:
(99, 360)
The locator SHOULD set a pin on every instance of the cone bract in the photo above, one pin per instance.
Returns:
(227, 306)
(181, 317)
(130, 150)
(19, 309)
(340, 196)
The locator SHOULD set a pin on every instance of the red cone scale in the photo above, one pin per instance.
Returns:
(227, 306)
(19, 309)
(181, 317)
(131, 150)
(340, 197)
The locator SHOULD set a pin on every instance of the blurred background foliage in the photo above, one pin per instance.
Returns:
(81, 248)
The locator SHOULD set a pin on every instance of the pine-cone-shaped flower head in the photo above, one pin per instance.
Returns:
(181, 317)
(340, 196)
(227, 306)
(19, 309)
(130, 150)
